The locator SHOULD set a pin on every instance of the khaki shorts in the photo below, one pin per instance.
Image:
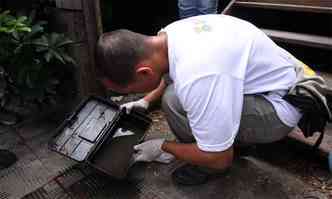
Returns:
(260, 122)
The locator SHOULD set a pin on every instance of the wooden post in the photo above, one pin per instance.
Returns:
(81, 20)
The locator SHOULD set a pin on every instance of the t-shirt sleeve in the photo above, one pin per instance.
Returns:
(213, 104)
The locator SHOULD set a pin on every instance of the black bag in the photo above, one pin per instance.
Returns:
(315, 117)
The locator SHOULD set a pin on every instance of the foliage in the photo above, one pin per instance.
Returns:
(31, 59)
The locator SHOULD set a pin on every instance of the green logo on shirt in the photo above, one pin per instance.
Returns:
(201, 26)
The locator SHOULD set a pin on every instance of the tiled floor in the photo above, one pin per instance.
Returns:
(36, 164)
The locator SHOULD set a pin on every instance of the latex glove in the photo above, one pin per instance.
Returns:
(165, 158)
(150, 151)
(142, 103)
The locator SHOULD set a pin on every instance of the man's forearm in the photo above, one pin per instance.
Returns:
(157, 93)
(192, 154)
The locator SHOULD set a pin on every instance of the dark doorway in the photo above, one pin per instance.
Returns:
(146, 17)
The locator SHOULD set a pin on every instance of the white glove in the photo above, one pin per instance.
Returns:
(142, 103)
(150, 151)
(165, 158)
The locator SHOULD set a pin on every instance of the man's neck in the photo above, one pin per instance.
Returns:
(160, 46)
(164, 52)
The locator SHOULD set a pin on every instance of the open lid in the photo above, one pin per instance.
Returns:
(80, 133)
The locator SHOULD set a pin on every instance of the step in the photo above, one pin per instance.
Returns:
(325, 7)
(300, 38)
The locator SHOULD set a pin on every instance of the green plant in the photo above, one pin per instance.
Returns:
(31, 59)
(10, 24)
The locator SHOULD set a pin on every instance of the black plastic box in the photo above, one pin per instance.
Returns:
(99, 134)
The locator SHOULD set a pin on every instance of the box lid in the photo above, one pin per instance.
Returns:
(99, 134)
(80, 133)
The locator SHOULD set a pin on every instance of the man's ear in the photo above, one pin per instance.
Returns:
(144, 70)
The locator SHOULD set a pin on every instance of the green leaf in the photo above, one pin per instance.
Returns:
(69, 59)
(53, 38)
(65, 43)
(37, 64)
(37, 28)
(57, 56)
(3, 29)
(44, 40)
(18, 49)
(16, 36)
(9, 18)
(10, 30)
(29, 81)
(22, 19)
(19, 25)
(41, 48)
(41, 42)
(48, 56)
(24, 29)
(10, 22)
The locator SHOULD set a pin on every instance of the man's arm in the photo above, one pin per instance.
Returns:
(148, 99)
(192, 154)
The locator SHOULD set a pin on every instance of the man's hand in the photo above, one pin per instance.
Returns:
(142, 103)
(189, 152)
(151, 151)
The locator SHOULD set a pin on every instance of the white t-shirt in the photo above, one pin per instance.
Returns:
(213, 61)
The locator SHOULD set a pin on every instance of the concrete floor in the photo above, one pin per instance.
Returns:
(41, 173)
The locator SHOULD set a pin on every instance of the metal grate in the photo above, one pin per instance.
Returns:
(79, 182)
(57, 187)
(4, 195)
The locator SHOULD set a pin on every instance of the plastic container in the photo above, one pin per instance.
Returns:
(101, 135)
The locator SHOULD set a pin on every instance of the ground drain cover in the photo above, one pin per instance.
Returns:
(4, 195)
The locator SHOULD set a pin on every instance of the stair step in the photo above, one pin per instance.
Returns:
(300, 38)
(292, 6)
